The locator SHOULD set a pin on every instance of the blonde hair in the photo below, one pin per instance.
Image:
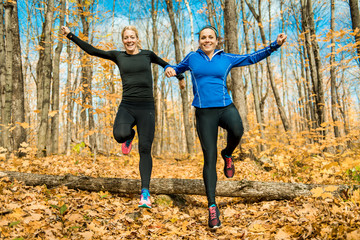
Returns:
(132, 28)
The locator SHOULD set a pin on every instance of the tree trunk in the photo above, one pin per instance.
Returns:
(54, 136)
(355, 19)
(157, 139)
(211, 13)
(312, 48)
(86, 78)
(69, 101)
(251, 191)
(254, 83)
(280, 107)
(19, 133)
(231, 41)
(191, 24)
(334, 110)
(184, 92)
(2, 70)
(8, 84)
(44, 70)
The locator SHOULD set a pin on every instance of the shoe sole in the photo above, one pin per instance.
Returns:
(144, 206)
(215, 227)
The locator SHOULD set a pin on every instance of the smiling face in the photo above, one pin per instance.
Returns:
(208, 41)
(130, 41)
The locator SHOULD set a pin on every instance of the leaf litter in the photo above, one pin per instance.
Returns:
(61, 213)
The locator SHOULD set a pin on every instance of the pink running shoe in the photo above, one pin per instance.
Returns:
(126, 146)
(214, 214)
(229, 168)
(145, 199)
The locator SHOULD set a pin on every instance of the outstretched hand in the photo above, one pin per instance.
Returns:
(65, 30)
(281, 38)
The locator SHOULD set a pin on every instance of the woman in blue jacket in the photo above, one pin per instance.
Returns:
(209, 68)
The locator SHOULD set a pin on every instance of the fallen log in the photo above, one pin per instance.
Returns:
(251, 191)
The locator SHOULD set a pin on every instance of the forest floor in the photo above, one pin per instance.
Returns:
(61, 213)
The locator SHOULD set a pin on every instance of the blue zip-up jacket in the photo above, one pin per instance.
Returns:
(209, 76)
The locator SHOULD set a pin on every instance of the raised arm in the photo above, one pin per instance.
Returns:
(87, 47)
(252, 58)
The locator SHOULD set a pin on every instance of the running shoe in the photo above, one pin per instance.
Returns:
(229, 168)
(126, 146)
(145, 199)
(214, 214)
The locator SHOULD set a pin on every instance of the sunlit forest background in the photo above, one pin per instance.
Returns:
(300, 109)
(305, 96)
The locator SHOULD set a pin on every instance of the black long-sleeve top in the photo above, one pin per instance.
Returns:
(135, 70)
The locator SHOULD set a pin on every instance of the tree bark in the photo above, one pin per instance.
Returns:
(184, 92)
(334, 107)
(157, 139)
(211, 12)
(54, 136)
(231, 41)
(44, 70)
(19, 133)
(355, 19)
(86, 78)
(2, 70)
(280, 107)
(313, 55)
(8, 84)
(251, 191)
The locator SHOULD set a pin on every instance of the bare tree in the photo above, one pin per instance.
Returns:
(211, 12)
(238, 89)
(86, 75)
(334, 111)
(184, 92)
(43, 72)
(355, 19)
(2, 69)
(7, 83)
(280, 107)
(254, 83)
(55, 103)
(18, 105)
(157, 137)
(313, 54)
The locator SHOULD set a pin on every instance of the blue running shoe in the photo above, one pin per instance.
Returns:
(145, 199)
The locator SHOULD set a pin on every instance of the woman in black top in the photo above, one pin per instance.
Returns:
(137, 105)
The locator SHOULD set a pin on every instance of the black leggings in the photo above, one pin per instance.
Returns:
(207, 122)
(141, 114)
